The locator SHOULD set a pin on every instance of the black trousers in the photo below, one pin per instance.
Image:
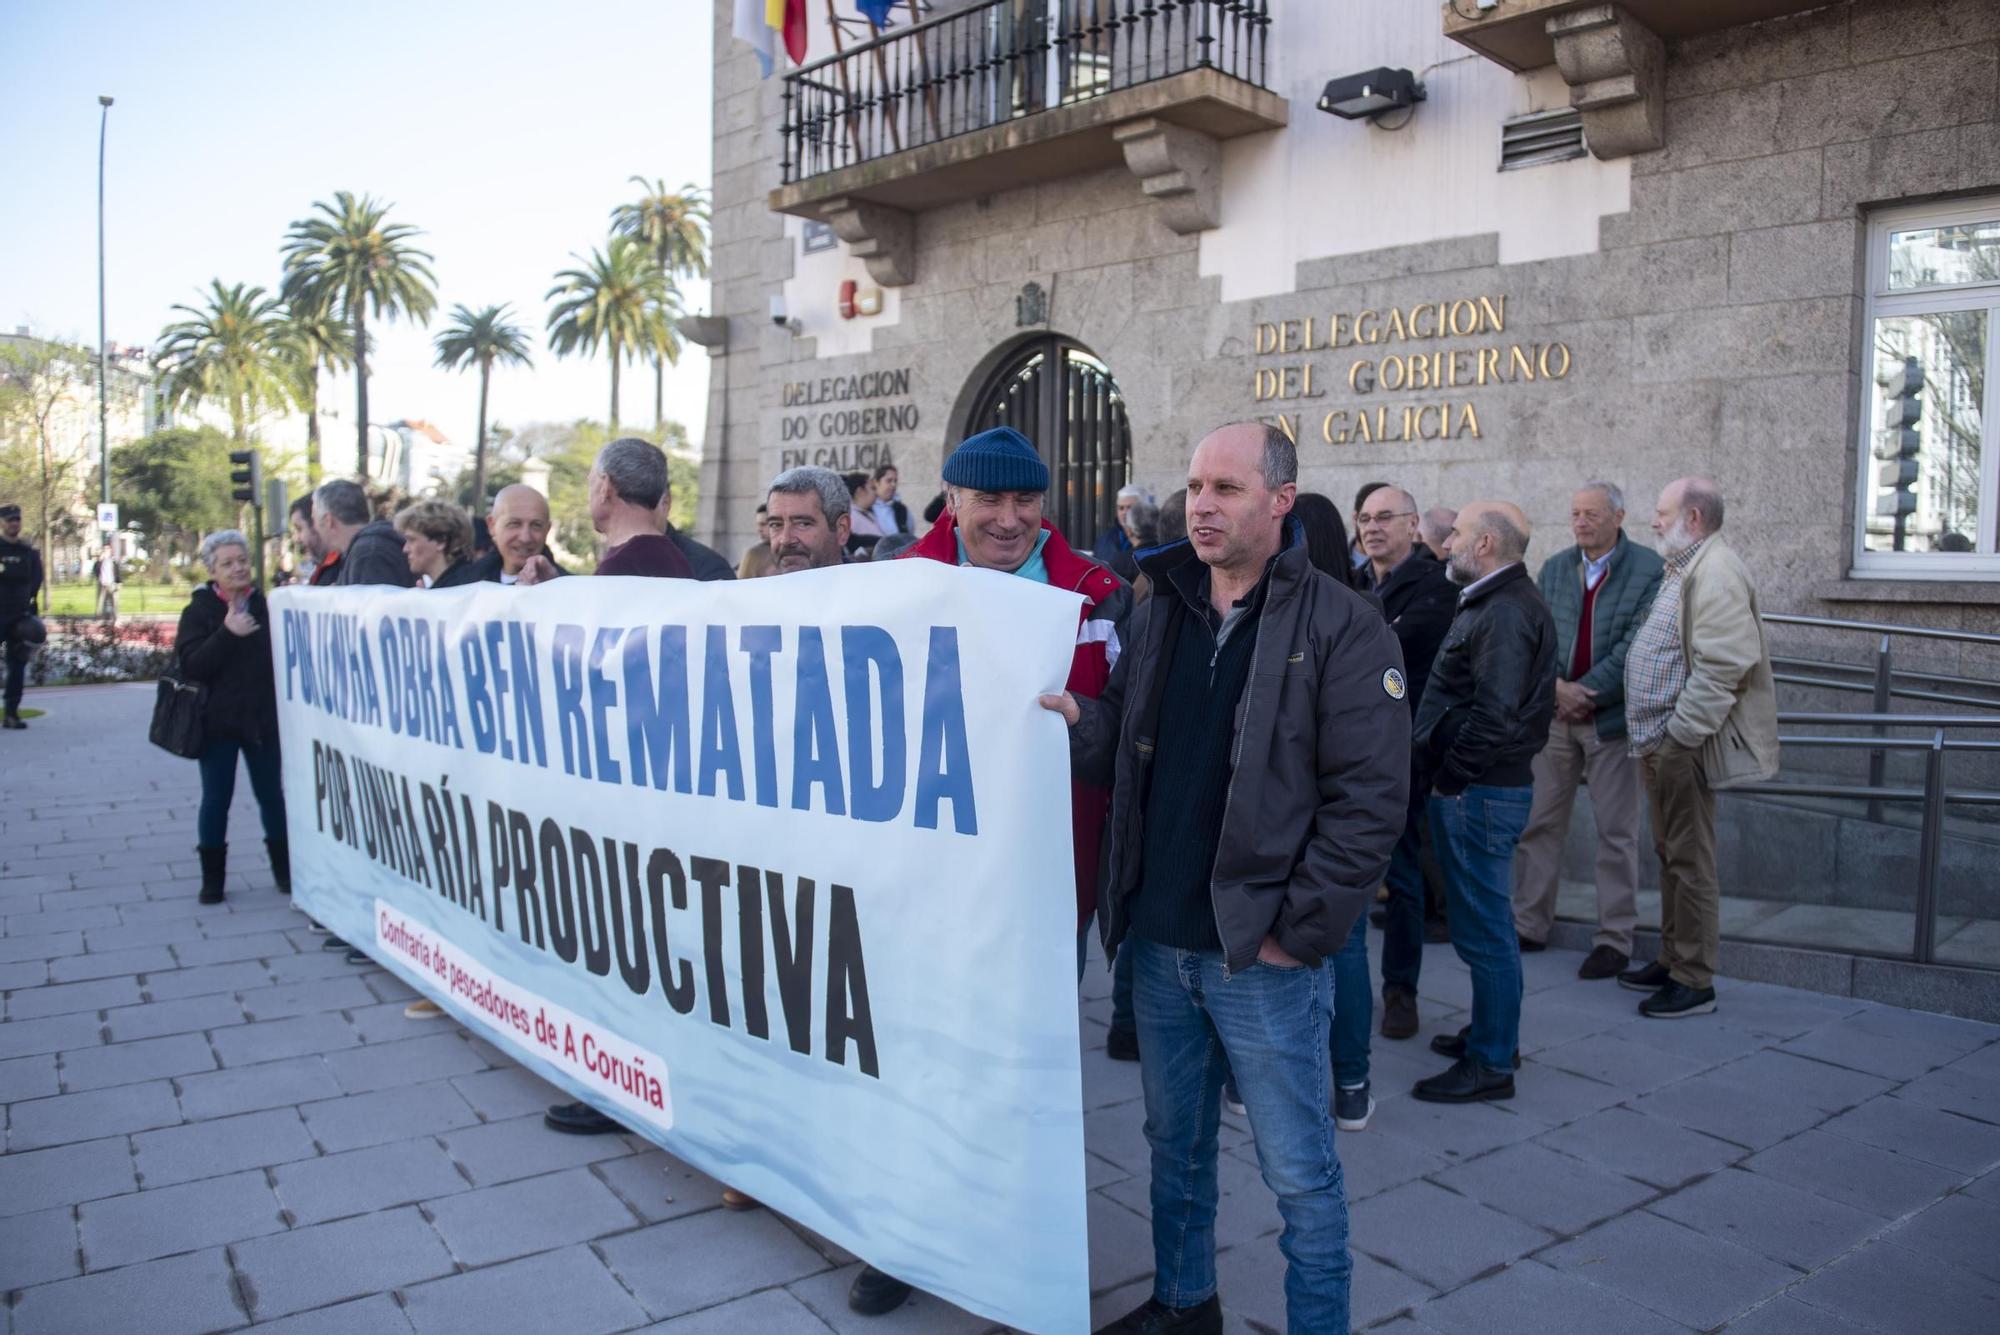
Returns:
(17, 661)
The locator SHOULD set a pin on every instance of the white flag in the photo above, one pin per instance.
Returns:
(750, 27)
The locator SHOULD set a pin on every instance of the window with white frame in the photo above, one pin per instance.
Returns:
(1930, 451)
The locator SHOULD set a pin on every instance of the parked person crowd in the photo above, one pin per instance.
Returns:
(1446, 698)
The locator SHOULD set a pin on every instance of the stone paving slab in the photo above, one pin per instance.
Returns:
(212, 1124)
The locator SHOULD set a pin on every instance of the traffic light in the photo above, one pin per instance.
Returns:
(1902, 410)
(246, 475)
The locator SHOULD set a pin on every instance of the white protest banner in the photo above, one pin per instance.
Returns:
(778, 873)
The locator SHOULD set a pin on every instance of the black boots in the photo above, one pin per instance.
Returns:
(212, 862)
(281, 863)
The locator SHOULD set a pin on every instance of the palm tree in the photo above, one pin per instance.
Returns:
(673, 226)
(316, 340)
(617, 299)
(231, 349)
(481, 338)
(349, 257)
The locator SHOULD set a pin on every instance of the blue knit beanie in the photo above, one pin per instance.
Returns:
(997, 460)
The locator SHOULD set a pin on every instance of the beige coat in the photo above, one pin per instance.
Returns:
(1729, 707)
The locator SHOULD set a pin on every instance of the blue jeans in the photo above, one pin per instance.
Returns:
(1353, 1008)
(1403, 918)
(218, 788)
(1475, 833)
(1121, 989)
(1270, 1026)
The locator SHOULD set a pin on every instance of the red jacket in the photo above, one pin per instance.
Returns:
(1106, 602)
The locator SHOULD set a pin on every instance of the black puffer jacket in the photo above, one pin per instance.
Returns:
(1318, 787)
(1492, 691)
(375, 556)
(242, 696)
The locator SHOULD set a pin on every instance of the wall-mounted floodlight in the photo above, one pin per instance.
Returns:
(1370, 94)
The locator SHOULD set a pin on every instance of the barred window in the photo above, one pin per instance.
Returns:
(1929, 488)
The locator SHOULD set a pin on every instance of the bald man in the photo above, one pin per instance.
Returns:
(1701, 707)
(1484, 715)
(519, 522)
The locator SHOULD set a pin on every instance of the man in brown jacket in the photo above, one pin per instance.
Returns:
(1702, 710)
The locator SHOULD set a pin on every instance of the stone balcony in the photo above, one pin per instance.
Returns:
(983, 99)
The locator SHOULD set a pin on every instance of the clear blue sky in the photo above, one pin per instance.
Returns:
(506, 129)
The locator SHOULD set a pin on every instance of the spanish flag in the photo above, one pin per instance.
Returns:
(789, 18)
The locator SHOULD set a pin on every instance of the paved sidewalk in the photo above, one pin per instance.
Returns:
(212, 1123)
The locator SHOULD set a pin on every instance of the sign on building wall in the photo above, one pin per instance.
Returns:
(844, 422)
(1330, 375)
(774, 872)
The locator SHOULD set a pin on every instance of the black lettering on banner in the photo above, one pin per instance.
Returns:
(663, 871)
(792, 952)
(557, 892)
(750, 940)
(581, 896)
(712, 874)
(592, 925)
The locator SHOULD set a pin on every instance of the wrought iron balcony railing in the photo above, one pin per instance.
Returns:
(1002, 60)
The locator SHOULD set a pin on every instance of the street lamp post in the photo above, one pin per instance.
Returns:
(103, 403)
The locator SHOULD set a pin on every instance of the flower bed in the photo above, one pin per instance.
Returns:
(91, 649)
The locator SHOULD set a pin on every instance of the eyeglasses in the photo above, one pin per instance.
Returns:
(1383, 518)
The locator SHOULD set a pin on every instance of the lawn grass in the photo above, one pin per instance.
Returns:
(80, 598)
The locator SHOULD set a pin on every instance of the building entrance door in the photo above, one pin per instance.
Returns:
(1057, 394)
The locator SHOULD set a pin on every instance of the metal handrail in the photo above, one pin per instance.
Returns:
(1884, 628)
(1890, 720)
(1882, 688)
(1933, 795)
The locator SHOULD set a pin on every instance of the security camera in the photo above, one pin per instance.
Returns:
(780, 317)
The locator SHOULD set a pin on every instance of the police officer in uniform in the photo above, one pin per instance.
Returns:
(20, 581)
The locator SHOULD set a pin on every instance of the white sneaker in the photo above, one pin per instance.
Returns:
(1352, 1108)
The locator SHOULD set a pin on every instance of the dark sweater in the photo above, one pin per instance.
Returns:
(650, 554)
(242, 697)
(375, 556)
(20, 577)
(706, 562)
(1190, 778)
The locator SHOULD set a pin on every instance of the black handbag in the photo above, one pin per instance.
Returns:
(177, 717)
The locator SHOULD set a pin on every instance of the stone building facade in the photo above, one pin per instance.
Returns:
(1710, 283)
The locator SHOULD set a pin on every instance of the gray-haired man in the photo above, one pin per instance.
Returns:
(371, 551)
(810, 510)
(1599, 592)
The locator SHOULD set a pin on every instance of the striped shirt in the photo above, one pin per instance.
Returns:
(1656, 668)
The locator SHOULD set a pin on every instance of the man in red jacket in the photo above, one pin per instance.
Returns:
(994, 485)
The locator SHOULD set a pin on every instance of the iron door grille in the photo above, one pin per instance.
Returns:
(1054, 392)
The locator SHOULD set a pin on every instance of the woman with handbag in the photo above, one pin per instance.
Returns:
(224, 644)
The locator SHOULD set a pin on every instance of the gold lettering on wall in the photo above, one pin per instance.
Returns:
(1385, 362)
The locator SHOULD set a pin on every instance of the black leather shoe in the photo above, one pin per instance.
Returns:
(580, 1119)
(1466, 1082)
(1603, 962)
(1677, 1001)
(1154, 1317)
(1122, 1045)
(876, 1294)
(1378, 917)
(1399, 1013)
(13, 723)
(1649, 979)
(333, 942)
(1530, 946)
(1453, 1046)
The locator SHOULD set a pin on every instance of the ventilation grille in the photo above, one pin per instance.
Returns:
(1541, 138)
